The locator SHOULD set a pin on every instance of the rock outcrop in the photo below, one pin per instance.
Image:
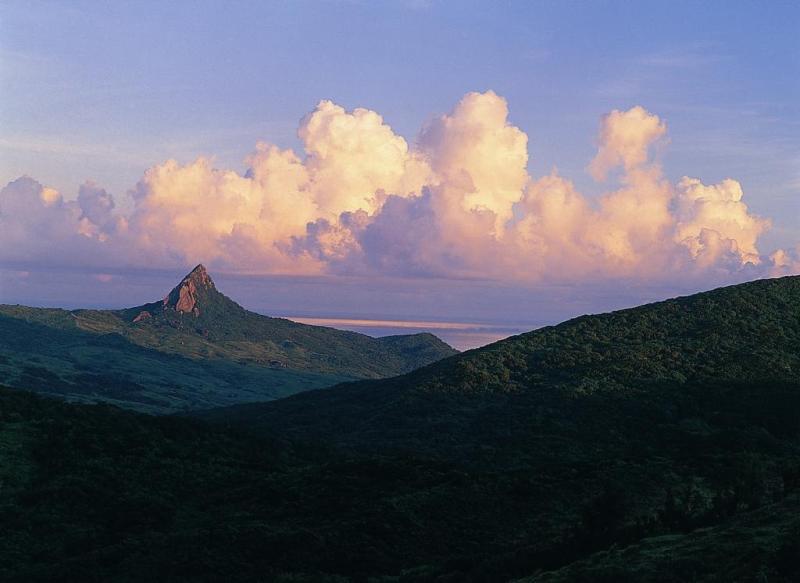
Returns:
(184, 298)
(143, 315)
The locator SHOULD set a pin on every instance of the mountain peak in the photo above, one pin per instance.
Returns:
(200, 276)
(185, 297)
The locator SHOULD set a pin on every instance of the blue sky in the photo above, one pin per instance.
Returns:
(102, 91)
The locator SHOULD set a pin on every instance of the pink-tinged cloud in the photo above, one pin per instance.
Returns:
(459, 202)
(625, 137)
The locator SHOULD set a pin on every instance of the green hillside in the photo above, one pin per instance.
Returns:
(594, 433)
(654, 444)
(748, 333)
(195, 349)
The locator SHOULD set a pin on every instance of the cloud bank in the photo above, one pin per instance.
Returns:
(458, 202)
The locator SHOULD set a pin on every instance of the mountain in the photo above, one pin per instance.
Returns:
(196, 348)
(658, 444)
(210, 324)
(573, 439)
(739, 334)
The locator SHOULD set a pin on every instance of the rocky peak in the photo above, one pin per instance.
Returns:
(200, 277)
(184, 298)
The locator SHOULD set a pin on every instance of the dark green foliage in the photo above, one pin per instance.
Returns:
(97, 494)
(655, 444)
(753, 547)
(649, 358)
(664, 418)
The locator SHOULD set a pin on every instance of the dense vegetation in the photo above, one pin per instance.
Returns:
(748, 333)
(171, 361)
(655, 444)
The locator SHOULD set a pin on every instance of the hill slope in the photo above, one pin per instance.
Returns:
(654, 444)
(194, 349)
(590, 434)
(739, 334)
(96, 494)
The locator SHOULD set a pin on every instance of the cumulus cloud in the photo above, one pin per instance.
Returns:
(475, 148)
(350, 156)
(191, 213)
(38, 225)
(717, 214)
(97, 218)
(456, 202)
(785, 262)
(625, 137)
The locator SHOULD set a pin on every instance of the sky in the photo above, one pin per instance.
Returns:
(498, 164)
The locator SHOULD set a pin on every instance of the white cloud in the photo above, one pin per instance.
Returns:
(457, 203)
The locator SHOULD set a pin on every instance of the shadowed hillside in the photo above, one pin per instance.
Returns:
(655, 444)
(739, 334)
(91, 493)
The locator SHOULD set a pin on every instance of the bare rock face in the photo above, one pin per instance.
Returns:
(187, 301)
(194, 304)
(184, 297)
(143, 315)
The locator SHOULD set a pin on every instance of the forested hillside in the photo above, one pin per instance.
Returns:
(654, 444)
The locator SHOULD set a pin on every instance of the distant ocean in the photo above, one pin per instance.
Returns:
(459, 335)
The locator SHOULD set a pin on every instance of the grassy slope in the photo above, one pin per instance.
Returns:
(174, 362)
(61, 359)
(225, 329)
